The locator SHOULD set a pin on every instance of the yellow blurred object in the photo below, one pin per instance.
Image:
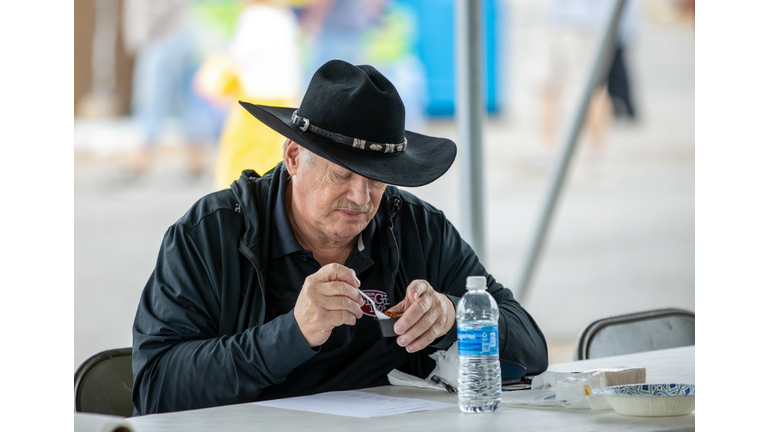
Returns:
(246, 143)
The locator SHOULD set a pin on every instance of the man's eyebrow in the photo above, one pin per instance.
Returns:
(334, 171)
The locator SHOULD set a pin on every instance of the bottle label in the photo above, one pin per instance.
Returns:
(478, 340)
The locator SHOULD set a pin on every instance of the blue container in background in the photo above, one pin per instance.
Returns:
(436, 49)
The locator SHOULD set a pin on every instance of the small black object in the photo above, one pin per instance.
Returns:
(449, 388)
(387, 327)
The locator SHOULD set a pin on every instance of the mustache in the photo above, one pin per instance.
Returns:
(349, 205)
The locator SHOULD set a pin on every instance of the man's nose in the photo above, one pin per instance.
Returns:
(358, 191)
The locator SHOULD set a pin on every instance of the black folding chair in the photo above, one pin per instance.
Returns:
(103, 383)
(636, 332)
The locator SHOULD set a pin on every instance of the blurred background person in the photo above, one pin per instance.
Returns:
(262, 65)
(619, 80)
(619, 87)
(165, 42)
(572, 34)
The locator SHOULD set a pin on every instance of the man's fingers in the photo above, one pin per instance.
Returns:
(336, 272)
(339, 318)
(413, 313)
(341, 303)
(421, 289)
(423, 324)
(424, 340)
(343, 289)
(425, 320)
(417, 289)
(336, 288)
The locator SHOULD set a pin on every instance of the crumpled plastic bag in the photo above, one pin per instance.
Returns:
(447, 368)
(574, 390)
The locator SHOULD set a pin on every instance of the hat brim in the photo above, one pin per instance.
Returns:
(424, 160)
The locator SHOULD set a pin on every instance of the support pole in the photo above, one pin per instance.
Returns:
(602, 56)
(470, 110)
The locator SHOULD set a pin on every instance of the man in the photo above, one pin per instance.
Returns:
(255, 293)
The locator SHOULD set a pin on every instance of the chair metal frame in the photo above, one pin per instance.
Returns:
(88, 365)
(587, 335)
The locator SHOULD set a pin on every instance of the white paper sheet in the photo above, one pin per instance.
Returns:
(355, 404)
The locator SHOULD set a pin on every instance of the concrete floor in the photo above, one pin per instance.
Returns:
(622, 239)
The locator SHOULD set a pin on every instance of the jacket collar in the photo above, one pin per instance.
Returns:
(256, 196)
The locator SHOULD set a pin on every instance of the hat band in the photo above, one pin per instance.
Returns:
(304, 124)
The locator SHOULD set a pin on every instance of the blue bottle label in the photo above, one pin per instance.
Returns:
(478, 340)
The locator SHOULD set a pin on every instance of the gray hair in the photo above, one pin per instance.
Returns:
(306, 155)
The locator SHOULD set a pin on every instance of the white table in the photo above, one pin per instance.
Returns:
(671, 365)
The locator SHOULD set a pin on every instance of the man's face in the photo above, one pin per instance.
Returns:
(334, 203)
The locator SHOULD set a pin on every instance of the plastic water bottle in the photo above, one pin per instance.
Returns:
(478, 329)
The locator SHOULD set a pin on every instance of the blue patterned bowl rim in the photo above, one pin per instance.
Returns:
(667, 389)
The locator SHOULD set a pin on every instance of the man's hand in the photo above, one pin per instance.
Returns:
(328, 299)
(427, 316)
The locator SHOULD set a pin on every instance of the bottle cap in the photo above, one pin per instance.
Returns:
(476, 282)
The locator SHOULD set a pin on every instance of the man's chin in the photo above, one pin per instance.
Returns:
(349, 230)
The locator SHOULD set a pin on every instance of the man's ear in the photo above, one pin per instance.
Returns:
(291, 157)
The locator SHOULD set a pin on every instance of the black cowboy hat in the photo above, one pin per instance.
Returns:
(354, 117)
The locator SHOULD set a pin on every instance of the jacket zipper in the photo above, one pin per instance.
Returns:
(245, 250)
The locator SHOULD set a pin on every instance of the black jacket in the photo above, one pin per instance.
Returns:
(199, 336)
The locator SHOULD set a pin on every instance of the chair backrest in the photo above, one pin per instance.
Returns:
(103, 383)
(636, 332)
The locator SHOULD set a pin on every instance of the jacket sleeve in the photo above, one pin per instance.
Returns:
(180, 358)
(520, 339)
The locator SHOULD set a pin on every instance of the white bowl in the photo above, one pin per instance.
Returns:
(650, 400)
